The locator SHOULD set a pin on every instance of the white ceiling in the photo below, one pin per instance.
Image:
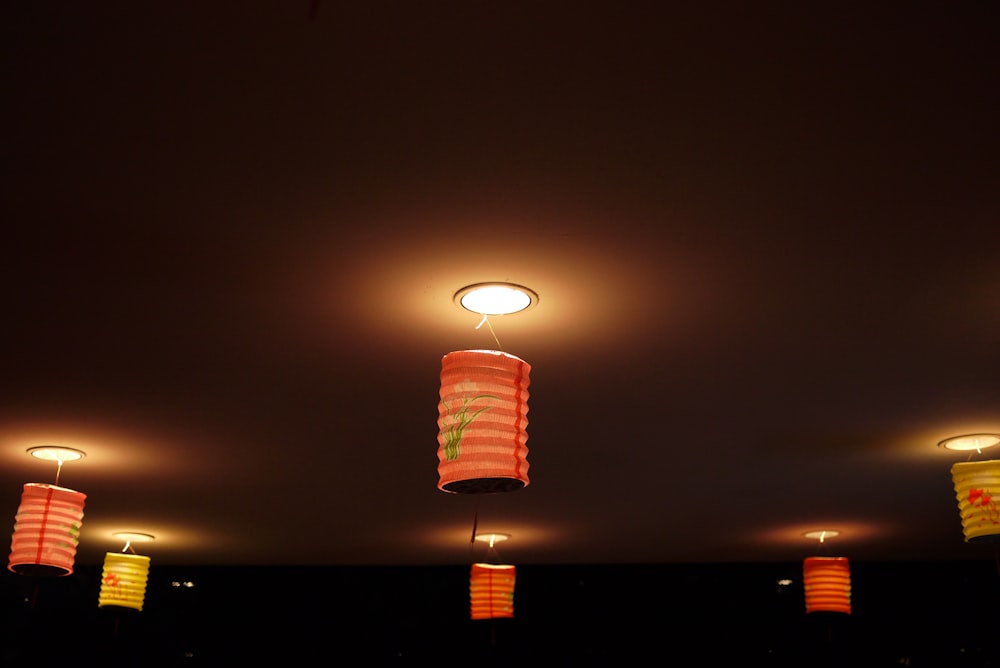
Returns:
(762, 238)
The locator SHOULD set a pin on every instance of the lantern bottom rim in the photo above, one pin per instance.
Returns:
(39, 570)
(483, 485)
(984, 539)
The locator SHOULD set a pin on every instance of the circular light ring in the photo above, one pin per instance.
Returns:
(492, 537)
(56, 453)
(134, 536)
(496, 298)
(821, 534)
(966, 442)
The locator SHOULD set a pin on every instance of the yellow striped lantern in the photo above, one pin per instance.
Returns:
(123, 581)
(977, 489)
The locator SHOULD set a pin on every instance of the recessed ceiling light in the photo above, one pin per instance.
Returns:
(492, 538)
(970, 442)
(496, 298)
(56, 453)
(821, 534)
(134, 536)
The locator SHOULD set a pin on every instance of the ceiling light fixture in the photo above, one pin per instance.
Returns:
(56, 453)
(821, 534)
(133, 537)
(496, 298)
(492, 538)
(966, 442)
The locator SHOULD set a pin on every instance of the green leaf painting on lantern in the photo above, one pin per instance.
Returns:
(73, 531)
(461, 419)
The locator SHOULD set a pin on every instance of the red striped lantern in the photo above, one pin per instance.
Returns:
(491, 591)
(827, 582)
(482, 422)
(977, 488)
(46, 530)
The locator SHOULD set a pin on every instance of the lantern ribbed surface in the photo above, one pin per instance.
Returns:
(123, 581)
(46, 530)
(827, 582)
(491, 591)
(482, 422)
(976, 484)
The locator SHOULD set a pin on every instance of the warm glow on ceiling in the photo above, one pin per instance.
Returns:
(496, 298)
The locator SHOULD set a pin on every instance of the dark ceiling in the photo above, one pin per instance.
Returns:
(762, 237)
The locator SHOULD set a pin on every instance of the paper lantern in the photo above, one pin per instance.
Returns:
(482, 421)
(976, 486)
(827, 582)
(491, 591)
(46, 530)
(123, 581)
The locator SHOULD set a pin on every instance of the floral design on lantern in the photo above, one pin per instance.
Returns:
(983, 499)
(454, 424)
(112, 582)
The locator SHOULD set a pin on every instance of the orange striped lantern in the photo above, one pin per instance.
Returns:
(46, 530)
(491, 591)
(123, 581)
(977, 489)
(827, 582)
(482, 422)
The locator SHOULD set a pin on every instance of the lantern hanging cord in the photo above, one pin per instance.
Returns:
(486, 319)
(475, 524)
(59, 464)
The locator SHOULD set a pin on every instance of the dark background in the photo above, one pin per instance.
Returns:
(904, 614)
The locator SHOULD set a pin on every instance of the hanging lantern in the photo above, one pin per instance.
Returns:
(482, 421)
(827, 582)
(491, 591)
(46, 530)
(976, 487)
(123, 581)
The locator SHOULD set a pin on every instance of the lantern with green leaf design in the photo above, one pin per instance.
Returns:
(482, 422)
(46, 530)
